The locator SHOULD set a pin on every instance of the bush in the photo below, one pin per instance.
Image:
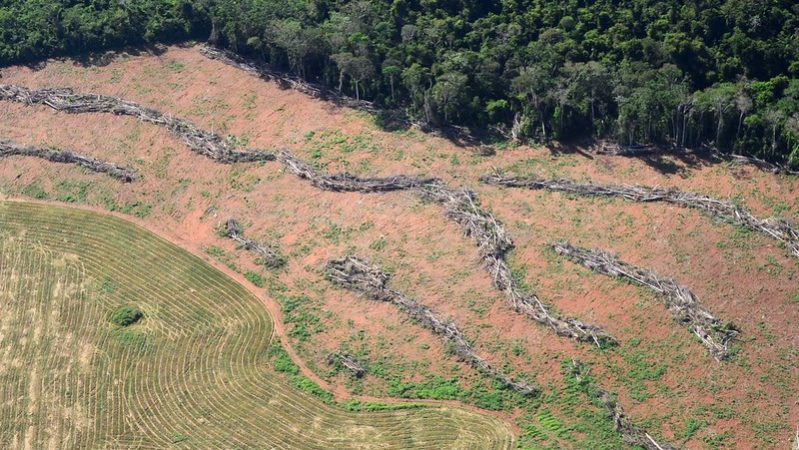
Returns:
(254, 278)
(126, 316)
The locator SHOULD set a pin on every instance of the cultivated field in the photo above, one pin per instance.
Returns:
(194, 372)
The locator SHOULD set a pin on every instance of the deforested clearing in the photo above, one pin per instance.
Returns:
(193, 370)
(666, 381)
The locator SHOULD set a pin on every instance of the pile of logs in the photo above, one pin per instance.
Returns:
(714, 334)
(60, 156)
(630, 433)
(462, 207)
(200, 141)
(356, 274)
(776, 228)
(349, 362)
(266, 255)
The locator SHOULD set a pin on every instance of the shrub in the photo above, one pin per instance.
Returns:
(126, 315)
(254, 278)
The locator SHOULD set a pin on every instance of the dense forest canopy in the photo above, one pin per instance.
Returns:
(723, 73)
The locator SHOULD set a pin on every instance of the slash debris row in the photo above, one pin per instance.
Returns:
(125, 174)
(345, 182)
(714, 334)
(356, 274)
(493, 241)
(266, 255)
(200, 141)
(777, 228)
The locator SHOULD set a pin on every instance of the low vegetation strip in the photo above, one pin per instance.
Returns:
(116, 338)
(776, 227)
(200, 141)
(630, 433)
(356, 274)
(123, 173)
(266, 256)
(462, 207)
(712, 332)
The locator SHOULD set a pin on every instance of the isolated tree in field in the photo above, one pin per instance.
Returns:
(126, 315)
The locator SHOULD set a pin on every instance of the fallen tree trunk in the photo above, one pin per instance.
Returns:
(266, 255)
(125, 174)
(630, 434)
(462, 207)
(777, 228)
(714, 334)
(200, 141)
(348, 361)
(356, 274)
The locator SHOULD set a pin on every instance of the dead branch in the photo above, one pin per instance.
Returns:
(714, 334)
(356, 274)
(266, 255)
(462, 207)
(348, 361)
(777, 228)
(65, 100)
(125, 174)
(630, 433)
